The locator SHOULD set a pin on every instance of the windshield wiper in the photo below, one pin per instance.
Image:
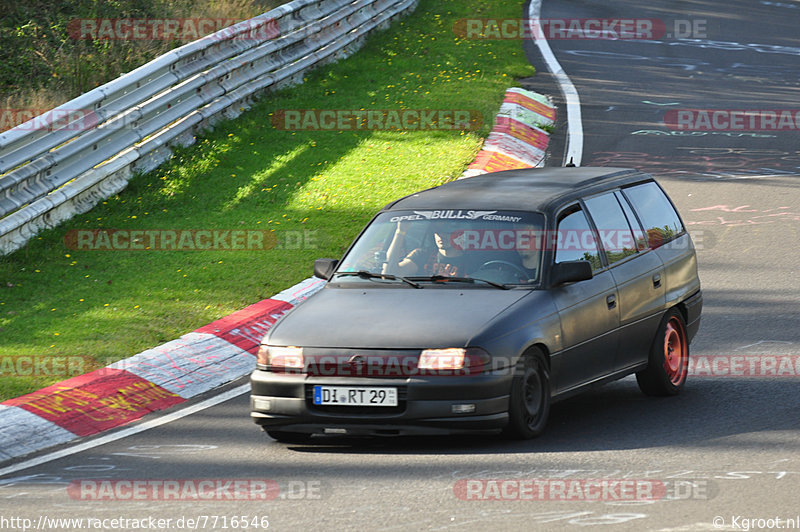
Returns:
(370, 275)
(446, 278)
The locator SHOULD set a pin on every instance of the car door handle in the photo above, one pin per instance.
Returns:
(611, 301)
(656, 280)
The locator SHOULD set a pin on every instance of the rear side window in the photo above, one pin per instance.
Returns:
(616, 235)
(661, 222)
(641, 241)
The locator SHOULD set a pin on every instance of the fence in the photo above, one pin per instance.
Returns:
(66, 161)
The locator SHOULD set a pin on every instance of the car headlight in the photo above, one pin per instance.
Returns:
(437, 359)
(277, 357)
(469, 361)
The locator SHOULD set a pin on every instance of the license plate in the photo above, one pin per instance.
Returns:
(354, 396)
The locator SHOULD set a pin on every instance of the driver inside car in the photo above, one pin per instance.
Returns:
(443, 258)
(530, 252)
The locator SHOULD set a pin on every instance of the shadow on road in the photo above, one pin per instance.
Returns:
(708, 413)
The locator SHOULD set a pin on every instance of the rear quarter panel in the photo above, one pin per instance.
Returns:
(680, 269)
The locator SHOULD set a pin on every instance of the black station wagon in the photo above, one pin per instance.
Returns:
(473, 305)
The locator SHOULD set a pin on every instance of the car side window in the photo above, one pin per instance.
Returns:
(659, 218)
(638, 233)
(616, 235)
(575, 238)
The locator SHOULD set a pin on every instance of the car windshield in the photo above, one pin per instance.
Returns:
(448, 246)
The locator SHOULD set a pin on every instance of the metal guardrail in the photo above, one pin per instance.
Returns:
(65, 162)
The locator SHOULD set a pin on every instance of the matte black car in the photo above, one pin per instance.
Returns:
(473, 305)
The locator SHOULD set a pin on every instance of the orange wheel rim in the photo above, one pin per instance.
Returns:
(675, 354)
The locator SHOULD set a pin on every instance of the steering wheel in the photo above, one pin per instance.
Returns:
(498, 264)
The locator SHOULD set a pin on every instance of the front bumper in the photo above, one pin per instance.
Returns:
(425, 405)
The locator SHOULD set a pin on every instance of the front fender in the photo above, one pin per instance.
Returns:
(532, 320)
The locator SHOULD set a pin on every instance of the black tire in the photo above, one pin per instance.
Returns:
(288, 437)
(668, 364)
(529, 401)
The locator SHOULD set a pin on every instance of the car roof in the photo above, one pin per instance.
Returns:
(527, 189)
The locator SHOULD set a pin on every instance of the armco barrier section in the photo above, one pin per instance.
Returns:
(517, 139)
(158, 378)
(66, 161)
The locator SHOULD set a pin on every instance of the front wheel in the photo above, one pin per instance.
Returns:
(529, 402)
(668, 364)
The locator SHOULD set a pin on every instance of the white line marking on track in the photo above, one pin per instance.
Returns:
(130, 431)
(574, 125)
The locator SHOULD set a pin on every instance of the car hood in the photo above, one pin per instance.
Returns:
(392, 318)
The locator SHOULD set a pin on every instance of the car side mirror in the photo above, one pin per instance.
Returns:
(571, 272)
(324, 268)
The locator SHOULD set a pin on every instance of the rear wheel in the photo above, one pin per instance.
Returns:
(288, 437)
(529, 402)
(668, 364)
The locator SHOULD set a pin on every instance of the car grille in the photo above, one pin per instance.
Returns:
(361, 363)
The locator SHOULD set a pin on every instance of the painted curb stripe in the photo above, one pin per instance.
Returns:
(541, 98)
(121, 433)
(157, 378)
(519, 113)
(245, 328)
(22, 432)
(516, 141)
(97, 401)
(492, 161)
(301, 291)
(190, 365)
(530, 135)
(546, 111)
(513, 147)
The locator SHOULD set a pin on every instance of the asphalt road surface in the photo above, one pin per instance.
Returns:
(724, 455)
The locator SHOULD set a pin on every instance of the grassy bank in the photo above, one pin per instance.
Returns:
(55, 301)
(43, 65)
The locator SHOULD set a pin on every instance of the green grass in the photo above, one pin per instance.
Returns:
(248, 175)
(42, 65)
